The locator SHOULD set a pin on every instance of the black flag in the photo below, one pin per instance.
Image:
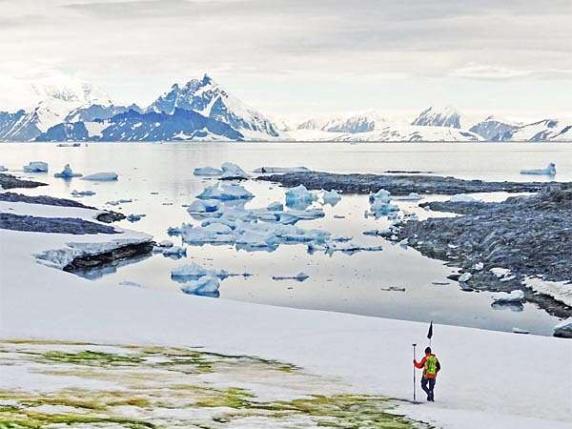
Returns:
(430, 333)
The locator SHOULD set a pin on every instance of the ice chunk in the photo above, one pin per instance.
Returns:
(79, 194)
(564, 329)
(232, 171)
(225, 192)
(204, 206)
(465, 277)
(299, 197)
(520, 331)
(107, 176)
(550, 170)
(36, 167)
(204, 286)
(298, 277)
(119, 202)
(381, 204)
(189, 271)
(462, 198)
(175, 252)
(503, 274)
(516, 296)
(275, 207)
(207, 172)
(331, 197)
(2, 168)
(135, 217)
(165, 243)
(67, 173)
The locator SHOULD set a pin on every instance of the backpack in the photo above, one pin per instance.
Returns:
(432, 365)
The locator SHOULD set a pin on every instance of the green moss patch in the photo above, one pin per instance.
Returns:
(92, 358)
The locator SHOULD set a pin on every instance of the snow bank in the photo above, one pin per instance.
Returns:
(560, 291)
(36, 167)
(102, 177)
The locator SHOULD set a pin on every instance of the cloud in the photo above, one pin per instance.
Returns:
(482, 71)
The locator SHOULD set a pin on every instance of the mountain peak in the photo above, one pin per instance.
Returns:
(435, 116)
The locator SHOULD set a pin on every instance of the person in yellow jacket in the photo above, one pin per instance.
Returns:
(431, 366)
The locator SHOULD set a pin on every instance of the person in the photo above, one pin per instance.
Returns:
(431, 366)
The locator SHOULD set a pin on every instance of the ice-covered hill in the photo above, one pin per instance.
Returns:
(356, 123)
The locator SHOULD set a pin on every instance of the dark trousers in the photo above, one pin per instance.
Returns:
(428, 384)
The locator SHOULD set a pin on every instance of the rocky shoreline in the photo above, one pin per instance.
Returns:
(529, 235)
(7, 181)
(397, 184)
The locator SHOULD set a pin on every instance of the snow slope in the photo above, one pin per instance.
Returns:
(489, 379)
(433, 116)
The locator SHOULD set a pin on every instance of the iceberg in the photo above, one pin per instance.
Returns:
(225, 192)
(516, 296)
(331, 197)
(67, 173)
(79, 194)
(299, 197)
(275, 207)
(232, 171)
(550, 170)
(102, 177)
(207, 172)
(298, 277)
(189, 271)
(36, 167)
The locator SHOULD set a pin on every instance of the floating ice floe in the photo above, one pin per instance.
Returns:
(107, 176)
(300, 277)
(550, 170)
(135, 217)
(119, 202)
(231, 171)
(67, 173)
(207, 172)
(413, 196)
(331, 197)
(381, 204)
(79, 194)
(36, 167)
(129, 283)
(462, 198)
(198, 280)
(280, 170)
(202, 207)
(299, 196)
(516, 296)
(225, 192)
(207, 285)
(520, 331)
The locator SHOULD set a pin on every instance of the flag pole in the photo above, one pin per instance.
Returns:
(414, 383)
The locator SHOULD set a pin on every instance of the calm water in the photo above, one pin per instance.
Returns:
(158, 177)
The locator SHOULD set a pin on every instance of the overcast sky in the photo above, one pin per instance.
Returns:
(300, 57)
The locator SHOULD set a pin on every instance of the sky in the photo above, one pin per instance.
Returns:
(300, 58)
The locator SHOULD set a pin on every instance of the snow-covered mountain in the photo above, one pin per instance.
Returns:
(494, 129)
(151, 126)
(439, 117)
(206, 97)
(357, 123)
(55, 105)
(547, 129)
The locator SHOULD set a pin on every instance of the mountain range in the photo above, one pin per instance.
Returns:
(203, 110)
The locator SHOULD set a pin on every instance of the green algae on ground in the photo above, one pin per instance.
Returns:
(91, 358)
(232, 397)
